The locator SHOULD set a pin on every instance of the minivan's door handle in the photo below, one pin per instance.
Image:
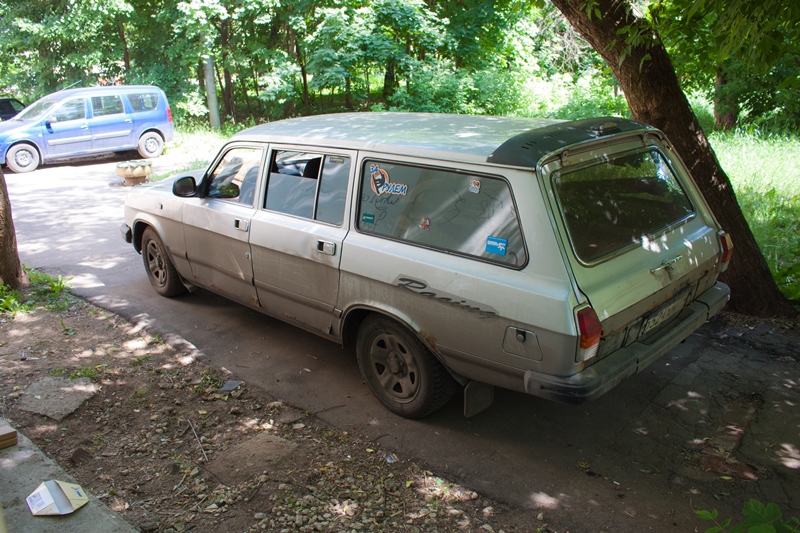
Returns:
(241, 225)
(326, 247)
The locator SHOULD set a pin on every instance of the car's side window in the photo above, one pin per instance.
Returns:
(235, 177)
(107, 105)
(458, 212)
(309, 185)
(71, 110)
(141, 102)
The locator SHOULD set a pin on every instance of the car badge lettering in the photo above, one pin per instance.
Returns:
(421, 288)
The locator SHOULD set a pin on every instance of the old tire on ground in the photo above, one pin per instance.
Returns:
(163, 276)
(150, 144)
(400, 370)
(22, 157)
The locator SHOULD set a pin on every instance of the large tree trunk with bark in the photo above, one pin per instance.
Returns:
(726, 108)
(654, 95)
(11, 271)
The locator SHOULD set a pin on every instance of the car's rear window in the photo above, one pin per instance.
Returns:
(467, 214)
(141, 102)
(620, 202)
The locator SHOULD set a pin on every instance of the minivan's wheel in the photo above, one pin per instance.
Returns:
(151, 144)
(400, 370)
(163, 276)
(22, 158)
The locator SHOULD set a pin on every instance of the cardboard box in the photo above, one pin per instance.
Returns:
(55, 497)
(8, 437)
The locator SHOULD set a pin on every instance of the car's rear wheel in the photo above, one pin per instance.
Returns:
(151, 144)
(163, 276)
(22, 158)
(400, 370)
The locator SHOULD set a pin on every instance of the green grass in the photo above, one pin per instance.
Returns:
(765, 174)
(42, 291)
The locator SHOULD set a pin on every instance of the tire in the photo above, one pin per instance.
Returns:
(22, 158)
(400, 370)
(163, 276)
(150, 144)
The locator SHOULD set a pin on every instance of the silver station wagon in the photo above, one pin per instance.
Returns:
(550, 258)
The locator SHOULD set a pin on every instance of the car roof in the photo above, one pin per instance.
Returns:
(101, 89)
(513, 141)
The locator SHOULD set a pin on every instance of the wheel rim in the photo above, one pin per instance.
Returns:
(155, 263)
(151, 145)
(23, 158)
(395, 366)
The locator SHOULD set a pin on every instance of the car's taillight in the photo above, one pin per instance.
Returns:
(590, 332)
(169, 114)
(726, 243)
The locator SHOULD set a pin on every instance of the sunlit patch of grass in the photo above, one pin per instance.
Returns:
(765, 174)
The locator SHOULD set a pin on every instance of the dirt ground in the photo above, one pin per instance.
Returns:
(161, 441)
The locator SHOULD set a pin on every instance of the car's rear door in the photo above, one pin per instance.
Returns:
(296, 237)
(110, 125)
(641, 241)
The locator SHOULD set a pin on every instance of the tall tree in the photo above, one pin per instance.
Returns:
(632, 48)
(11, 271)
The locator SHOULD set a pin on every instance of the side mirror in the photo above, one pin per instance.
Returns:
(51, 120)
(184, 187)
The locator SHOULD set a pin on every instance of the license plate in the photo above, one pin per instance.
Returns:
(663, 314)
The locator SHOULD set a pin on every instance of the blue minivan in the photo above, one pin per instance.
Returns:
(87, 121)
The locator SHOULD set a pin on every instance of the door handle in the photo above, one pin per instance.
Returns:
(241, 225)
(326, 247)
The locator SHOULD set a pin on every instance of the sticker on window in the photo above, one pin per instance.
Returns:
(496, 245)
(475, 186)
(367, 218)
(425, 224)
(380, 182)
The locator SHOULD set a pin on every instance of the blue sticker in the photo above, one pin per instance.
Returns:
(367, 218)
(496, 245)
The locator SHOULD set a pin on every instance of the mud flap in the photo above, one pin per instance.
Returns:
(477, 397)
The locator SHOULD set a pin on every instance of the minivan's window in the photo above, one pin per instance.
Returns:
(308, 185)
(71, 110)
(463, 213)
(614, 204)
(36, 109)
(107, 105)
(143, 101)
(236, 175)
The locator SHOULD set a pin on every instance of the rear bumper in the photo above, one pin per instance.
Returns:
(604, 375)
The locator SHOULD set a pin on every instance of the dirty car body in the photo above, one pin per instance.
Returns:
(550, 258)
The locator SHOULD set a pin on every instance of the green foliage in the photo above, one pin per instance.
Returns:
(760, 519)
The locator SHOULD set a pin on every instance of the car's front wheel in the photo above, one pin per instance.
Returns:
(163, 276)
(400, 370)
(150, 144)
(22, 158)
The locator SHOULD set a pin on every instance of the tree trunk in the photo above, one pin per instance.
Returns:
(388, 79)
(654, 96)
(11, 271)
(227, 85)
(348, 97)
(726, 109)
(126, 56)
